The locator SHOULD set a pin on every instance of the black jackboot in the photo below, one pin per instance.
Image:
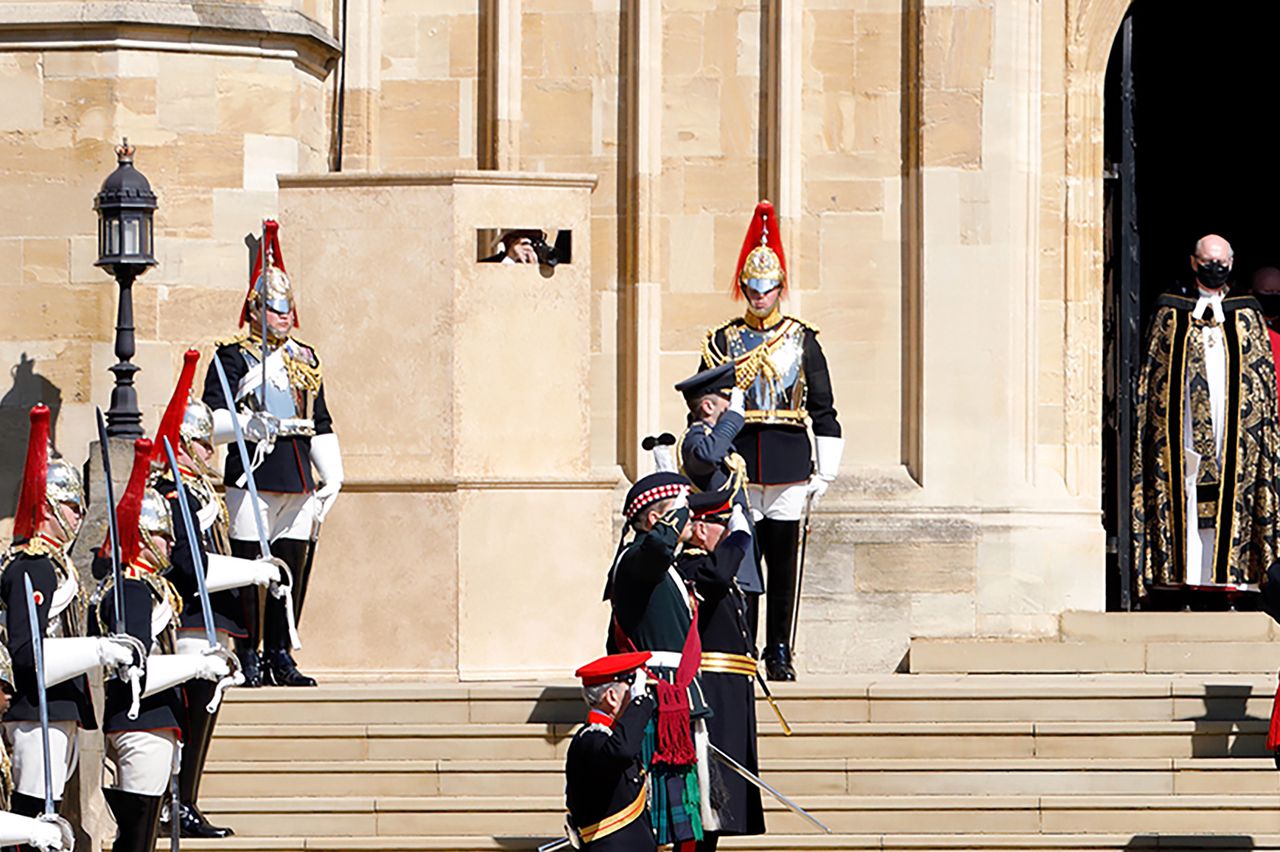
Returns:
(779, 541)
(137, 820)
(279, 667)
(195, 749)
(250, 598)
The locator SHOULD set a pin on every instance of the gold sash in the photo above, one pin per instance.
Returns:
(615, 823)
(719, 663)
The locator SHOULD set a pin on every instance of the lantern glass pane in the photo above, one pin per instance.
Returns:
(147, 237)
(132, 236)
(113, 237)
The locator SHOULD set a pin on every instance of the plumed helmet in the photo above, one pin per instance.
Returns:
(171, 422)
(268, 283)
(761, 264)
(197, 423)
(153, 516)
(273, 288)
(64, 484)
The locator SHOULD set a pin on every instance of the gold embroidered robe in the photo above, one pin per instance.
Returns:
(1237, 497)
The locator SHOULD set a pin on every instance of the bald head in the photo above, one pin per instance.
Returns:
(1212, 261)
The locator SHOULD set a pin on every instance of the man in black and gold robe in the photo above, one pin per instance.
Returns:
(1204, 457)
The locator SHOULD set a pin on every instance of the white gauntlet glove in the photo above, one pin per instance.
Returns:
(828, 451)
(326, 455)
(738, 520)
(638, 685)
(738, 400)
(114, 652)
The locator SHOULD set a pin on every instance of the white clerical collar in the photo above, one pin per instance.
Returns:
(1210, 298)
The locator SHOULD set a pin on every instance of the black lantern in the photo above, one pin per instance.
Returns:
(126, 209)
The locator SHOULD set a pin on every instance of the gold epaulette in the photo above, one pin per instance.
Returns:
(235, 340)
(711, 356)
(810, 326)
(304, 376)
(34, 547)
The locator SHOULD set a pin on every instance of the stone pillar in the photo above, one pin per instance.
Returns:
(473, 536)
(501, 79)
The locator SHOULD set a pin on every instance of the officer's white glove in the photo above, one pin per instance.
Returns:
(738, 520)
(638, 685)
(817, 487)
(212, 667)
(268, 571)
(115, 652)
(51, 832)
(738, 400)
(262, 426)
(326, 455)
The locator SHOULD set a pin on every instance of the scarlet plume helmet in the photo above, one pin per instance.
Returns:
(270, 286)
(31, 501)
(129, 508)
(761, 259)
(171, 422)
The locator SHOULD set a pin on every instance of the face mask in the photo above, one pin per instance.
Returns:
(1213, 274)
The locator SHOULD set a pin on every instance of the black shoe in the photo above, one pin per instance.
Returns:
(281, 670)
(777, 663)
(250, 666)
(195, 825)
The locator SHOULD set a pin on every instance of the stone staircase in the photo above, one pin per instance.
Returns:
(1121, 733)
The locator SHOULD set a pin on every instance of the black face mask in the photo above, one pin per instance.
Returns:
(1213, 273)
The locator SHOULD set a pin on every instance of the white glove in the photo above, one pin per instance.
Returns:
(681, 501)
(114, 652)
(42, 837)
(817, 487)
(326, 455)
(213, 667)
(638, 685)
(168, 670)
(261, 426)
(232, 572)
(738, 520)
(72, 656)
(738, 400)
(268, 571)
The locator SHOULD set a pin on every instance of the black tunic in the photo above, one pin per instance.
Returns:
(732, 727)
(780, 453)
(228, 613)
(603, 776)
(287, 468)
(69, 701)
(159, 712)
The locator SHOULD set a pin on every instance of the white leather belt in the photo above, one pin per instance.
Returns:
(665, 659)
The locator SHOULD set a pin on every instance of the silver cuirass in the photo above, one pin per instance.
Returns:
(773, 360)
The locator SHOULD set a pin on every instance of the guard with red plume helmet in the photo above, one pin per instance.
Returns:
(47, 520)
(279, 400)
(187, 426)
(141, 742)
(604, 769)
(780, 366)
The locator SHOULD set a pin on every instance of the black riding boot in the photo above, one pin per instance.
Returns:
(137, 820)
(195, 749)
(252, 614)
(779, 541)
(279, 666)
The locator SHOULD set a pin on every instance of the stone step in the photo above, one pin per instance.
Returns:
(777, 843)
(982, 656)
(1080, 626)
(803, 777)
(535, 815)
(937, 740)
(879, 698)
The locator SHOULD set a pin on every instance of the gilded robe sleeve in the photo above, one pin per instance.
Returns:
(1151, 519)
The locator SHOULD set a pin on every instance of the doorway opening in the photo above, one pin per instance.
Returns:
(1191, 148)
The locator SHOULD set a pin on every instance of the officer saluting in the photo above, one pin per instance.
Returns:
(780, 364)
(604, 774)
(299, 464)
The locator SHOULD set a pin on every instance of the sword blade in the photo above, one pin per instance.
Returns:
(250, 485)
(562, 843)
(262, 311)
(193, 543)
(37, 650)
(117, 579)
(756, 781)
(804, 547)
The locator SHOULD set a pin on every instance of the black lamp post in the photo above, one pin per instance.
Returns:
(126, 207)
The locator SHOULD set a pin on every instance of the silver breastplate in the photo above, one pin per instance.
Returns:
(280, 396)
(774, 360)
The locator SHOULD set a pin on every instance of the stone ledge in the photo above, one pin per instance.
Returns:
(450, 178)
(198, 26)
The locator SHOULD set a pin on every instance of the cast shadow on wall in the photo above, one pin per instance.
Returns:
(27, 387)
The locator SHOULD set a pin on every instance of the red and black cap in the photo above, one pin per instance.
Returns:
(652, 488)
(611, 668)
(711, 505)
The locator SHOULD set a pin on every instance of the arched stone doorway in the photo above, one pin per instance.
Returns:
(1189, 148)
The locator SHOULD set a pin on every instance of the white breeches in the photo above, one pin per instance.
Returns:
(283, 515)
(776, 502)
(28, 756)
(144, 760)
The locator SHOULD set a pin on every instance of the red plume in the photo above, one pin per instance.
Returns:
(765, 219)
(271, 244)
(31, 502)
(171, 423)
(129, 508)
